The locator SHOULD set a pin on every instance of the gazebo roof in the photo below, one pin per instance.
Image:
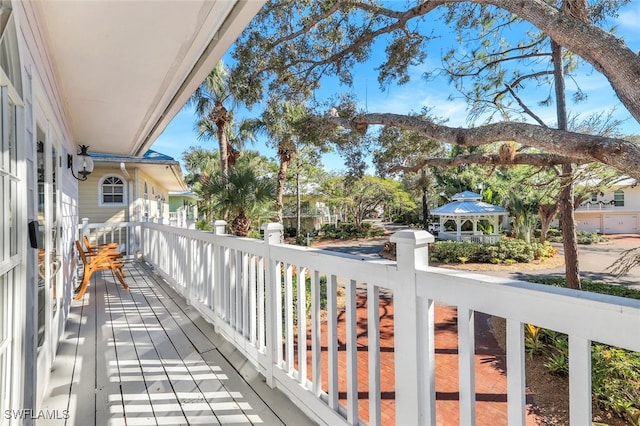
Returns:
(466, 195)
(468, 203)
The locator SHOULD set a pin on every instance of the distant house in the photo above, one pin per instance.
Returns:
(129, 189)
(615, 211)
(313, 211)
(183, 208)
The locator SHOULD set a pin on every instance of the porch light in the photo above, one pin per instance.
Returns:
(83, 166)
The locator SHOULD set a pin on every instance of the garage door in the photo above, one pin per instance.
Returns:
(621, 224)
(588, 223)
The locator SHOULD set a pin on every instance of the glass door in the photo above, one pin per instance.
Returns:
(48, 163)
(9, 256)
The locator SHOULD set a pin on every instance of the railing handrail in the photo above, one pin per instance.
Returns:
(244, 287)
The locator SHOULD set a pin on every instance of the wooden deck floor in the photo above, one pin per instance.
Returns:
(145, 357)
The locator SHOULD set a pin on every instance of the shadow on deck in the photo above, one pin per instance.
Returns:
(146, 357)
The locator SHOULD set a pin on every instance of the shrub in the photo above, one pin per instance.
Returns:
(508, 249)
(616, 379)
(347, 230)
(452, 251)
(615, 372)
(203, 225)
(582, 237)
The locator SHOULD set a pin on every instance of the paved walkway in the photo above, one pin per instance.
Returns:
(490, 368)
(490, 358)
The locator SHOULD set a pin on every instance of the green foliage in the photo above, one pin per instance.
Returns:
(582, 237)
(558, 358)
(362, 197)
(345, 231)
(204, 225)
(507, 251)
(615, 372)
(593, 286)
(323, 295)
(616, 379)
(533, 342)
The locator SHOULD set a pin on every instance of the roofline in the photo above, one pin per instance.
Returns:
(135, 160)
(202, 68)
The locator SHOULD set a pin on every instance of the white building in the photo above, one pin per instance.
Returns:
(614, 211)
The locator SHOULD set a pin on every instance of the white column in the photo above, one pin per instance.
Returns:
(272, 235)
(412, 375)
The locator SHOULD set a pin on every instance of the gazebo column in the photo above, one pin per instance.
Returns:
(475, 225)
(458, 228)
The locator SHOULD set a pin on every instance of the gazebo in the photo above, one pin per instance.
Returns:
(468, 206)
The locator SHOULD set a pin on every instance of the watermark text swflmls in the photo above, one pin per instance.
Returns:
(28, 413)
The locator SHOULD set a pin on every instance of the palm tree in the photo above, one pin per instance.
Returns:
(280, 122)
(213, 117)
(244, 195)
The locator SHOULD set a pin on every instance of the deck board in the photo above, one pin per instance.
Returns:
(145, 357)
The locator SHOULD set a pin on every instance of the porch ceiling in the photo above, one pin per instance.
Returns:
(126, 68)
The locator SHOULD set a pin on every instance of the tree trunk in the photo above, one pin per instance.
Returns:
(282, 178)
(220, 116)
(547, 212)
(425, 207)
(298, 202)
(566, 202)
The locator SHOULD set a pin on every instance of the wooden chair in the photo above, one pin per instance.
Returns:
(99, 261)
(96, 248)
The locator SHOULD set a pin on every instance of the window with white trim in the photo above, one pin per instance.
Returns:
(618, 198)
(112, 191)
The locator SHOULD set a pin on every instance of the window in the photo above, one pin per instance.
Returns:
(112, 191)
(618, 198)
(594, 197)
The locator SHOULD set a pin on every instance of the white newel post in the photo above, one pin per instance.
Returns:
(412, 253)
(272, 235)
(85, 228)
(219, 228)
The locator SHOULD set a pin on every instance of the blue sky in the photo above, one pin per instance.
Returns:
(179, 135)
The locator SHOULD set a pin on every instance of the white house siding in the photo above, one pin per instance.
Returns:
(89, 196)
(155, 189)
(610, 219)
(42, 105)
(620, 223)
(589, 222)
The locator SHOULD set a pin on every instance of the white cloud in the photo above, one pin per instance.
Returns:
(629, 16)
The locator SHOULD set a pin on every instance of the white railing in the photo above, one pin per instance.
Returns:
(246, 289)
(471, 237)
(598, 205)
(125, 234)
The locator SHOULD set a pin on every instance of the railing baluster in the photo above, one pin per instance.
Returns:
(316, 326)
(280, 317)
(239, 293)
(466, 369)
(246, 329)
(288, 294)
(579, 381)
(516, 380)
(352, 353)
(373, 353)
(302, 327)
(253, 311)
(225, 283)
(426, 333)
(261, 303)
(332, 341)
